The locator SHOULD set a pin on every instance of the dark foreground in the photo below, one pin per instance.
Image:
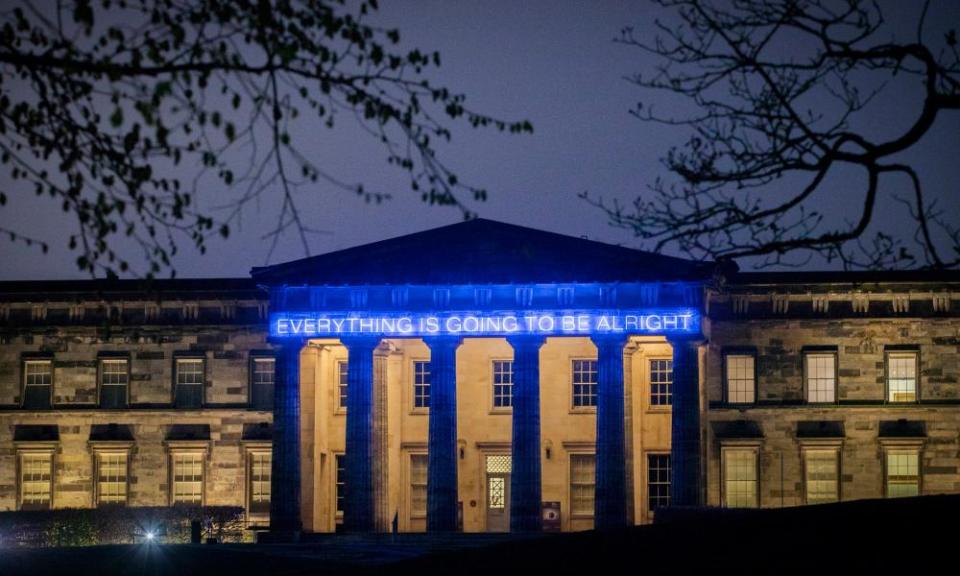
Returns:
(910, 536)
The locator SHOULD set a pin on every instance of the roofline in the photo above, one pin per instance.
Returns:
(843, 277)
(104, 285)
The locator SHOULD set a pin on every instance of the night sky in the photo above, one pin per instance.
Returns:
(554, 63)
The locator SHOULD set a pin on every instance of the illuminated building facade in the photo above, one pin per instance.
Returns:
(479, 377)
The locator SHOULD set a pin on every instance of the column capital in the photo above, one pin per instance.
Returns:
(526, 340)
(360, 342)
(442, 341)
(610, 339)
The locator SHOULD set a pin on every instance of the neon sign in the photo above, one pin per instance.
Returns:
(547, 323)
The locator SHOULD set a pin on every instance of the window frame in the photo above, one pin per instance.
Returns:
(47, 449)
(251, 450)
(571, 455)
(494, 409)
(255, 359)
(649, 366)
(806, 352)
(173, 452)
(104, 358)
(889, 351)
(100, 449)
(414, 409)
(727, 447)
(650, 511)
(413, 514)
(342, 387)
(908, 447)
(745, 352)
(335, 481)
(190, 358)
(808, 446)
(25, 360)
(587, 408)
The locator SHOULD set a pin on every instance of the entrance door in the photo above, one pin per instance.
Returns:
(498, 468)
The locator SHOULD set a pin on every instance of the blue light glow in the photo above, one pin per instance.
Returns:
(506, 323)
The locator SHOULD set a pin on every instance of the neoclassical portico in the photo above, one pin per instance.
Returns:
(484, 280)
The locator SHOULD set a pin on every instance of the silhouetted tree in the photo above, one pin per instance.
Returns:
(776, 96)
(108, 106)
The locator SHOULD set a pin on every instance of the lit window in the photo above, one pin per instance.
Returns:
(36, 473)
(418, 485)
(661, 382)
(259, 483)
(741, 378)
(584, 383)
(189, 379)
(342, 385)
(902, 376)
(658, 481)
(498, 468)
(739, 478)
(502, 383)
(37, 381)
(821, 475)
(340, 481)
(262, 381)
(421, 384)
(188, 478)
(821, 376)
(114, 377)
(111, 478)
(903, 473)
(582, 484)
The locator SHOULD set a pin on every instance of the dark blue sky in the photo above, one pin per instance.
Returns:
(554, 63)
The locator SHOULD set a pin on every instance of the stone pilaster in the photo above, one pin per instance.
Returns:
(610, 502)
(685, 466)
(442, 447)
(285, 519)
(525, 481)
(359, 513)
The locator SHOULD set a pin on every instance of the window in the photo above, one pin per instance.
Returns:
(582, 484)
(902, 376)
(342, 385)
(658, 481)
(37, 383)
(502, 383)
(661, 382)
(340, 480)
(418, 485)
(903, 473)
(821, 374)
(261, 383)
(741, 378)
(421, 384)
(189, 383)
(584, 383)
(258, 488)
(739, 477)
(188, 478)
(821, 475)
(114, 377)
(36, 481)
(111, 478)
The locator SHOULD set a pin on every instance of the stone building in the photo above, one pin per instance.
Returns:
(480, 377)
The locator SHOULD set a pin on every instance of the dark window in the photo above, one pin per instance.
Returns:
(502, 383)
(114, 380)
(261, 383)
(341, 479)
(37, 384)
(189, 383)
(259, 488)
(421, 384)
(342, 385)
(658, 481)
(584, 383)
(661, 382)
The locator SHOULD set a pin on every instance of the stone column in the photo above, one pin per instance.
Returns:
(285, 520)
(359, 513)
(610, 502)
(525, 485)
(442, 447)
(685, 466)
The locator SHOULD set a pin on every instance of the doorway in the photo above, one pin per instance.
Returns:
(498, 468)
